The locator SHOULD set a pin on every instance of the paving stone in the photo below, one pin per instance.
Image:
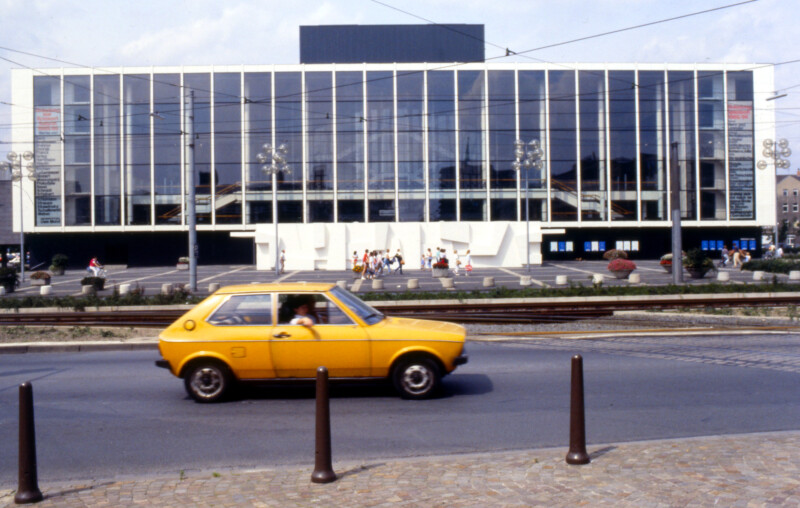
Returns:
(738, 470)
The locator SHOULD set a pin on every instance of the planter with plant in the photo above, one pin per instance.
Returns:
(59, 264)
(183, 263)
(440, 268)
(621, 268)
(9, 278)
(698, 264)
(666, 262)
(97, 282)
(40, 279)
(612, 254)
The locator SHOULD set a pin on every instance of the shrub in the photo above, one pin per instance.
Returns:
(183, 259)
(696, 259)
(614, 254)
(441, 264)
(98, 282)
(8, 276)
(621, 264)
(358, 268)
(40, 275)
(59, 261)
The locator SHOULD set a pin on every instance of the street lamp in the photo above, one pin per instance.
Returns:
(775, 150)
(532, 158)
(274, 162)
(14, 165)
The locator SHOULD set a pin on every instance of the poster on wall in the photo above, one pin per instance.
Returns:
(48, 121)
(48, 196)
(741, 160)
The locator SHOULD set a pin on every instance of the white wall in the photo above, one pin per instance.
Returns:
(331, 246)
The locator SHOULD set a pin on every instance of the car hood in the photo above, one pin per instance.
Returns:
(407, 328)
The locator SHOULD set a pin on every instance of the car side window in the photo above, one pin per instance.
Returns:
(314, 305)
(244, 310)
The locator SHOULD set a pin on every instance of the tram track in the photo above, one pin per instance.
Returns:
(537, 310)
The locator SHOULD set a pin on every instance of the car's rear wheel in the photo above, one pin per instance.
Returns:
(208, 381)
(416, 378)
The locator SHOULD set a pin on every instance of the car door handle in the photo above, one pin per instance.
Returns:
(281, 335)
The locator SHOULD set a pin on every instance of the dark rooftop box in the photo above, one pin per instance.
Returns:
(391, 43)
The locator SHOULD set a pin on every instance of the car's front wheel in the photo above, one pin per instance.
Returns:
(208, 381)
(416, 378)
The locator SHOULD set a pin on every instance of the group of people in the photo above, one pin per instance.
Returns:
(376, 263)
(735, 255)
(774, 252)
(428, 260)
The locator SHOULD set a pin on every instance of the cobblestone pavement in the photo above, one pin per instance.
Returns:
(739, 470)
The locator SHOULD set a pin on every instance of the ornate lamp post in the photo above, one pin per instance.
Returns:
(14, 165)
(532, 158)
(775, 150)
(274, 162)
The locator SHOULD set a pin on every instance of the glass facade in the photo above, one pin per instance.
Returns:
(386, 145)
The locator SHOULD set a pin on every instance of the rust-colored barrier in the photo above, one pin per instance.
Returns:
(323, 468)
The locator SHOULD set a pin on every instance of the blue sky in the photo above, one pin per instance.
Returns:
(95, 33)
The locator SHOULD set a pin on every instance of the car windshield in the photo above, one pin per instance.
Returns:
(362, 310)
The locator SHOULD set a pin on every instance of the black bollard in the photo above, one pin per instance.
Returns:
(28, 490)
(323, 468)
(577, 421)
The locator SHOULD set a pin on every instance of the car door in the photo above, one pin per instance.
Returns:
(335, 341)
(243, 326)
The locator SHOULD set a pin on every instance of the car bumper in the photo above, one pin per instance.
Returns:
(163, 364)
(460, 359)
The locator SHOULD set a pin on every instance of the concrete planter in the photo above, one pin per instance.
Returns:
(440, 272)
(40, 282)
(620, 274)
(182, 266)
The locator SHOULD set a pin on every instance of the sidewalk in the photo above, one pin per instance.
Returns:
(738, 470)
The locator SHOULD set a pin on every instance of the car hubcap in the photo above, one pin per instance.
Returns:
(417, 379)
(207, 382)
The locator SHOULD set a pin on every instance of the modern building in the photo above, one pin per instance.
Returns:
(389, 149)
(788, 188)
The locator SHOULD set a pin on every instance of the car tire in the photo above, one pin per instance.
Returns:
(416, 378)
(208, 381)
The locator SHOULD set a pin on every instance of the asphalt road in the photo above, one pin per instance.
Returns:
(101, 415)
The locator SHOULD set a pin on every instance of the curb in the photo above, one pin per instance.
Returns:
(76, 347)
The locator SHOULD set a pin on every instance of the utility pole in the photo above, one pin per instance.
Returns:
(675, 205)
(191, 212)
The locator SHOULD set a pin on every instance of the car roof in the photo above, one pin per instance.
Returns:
(299, 287)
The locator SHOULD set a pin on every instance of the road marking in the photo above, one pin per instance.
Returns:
(281, 279)
(223, 273)
(573, 269)
(518, 276)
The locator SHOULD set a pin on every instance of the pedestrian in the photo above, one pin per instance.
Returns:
(779, 252)
(468, 263)
(737, 257)
(283, 260)
(365, 265)
(725, 256)
(422, 261)
(399, 260)
(355, 259)
(438, 254)
(429, 260)
(456, 262)
(746, 256)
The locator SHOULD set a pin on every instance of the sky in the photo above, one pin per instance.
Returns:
(111, 33)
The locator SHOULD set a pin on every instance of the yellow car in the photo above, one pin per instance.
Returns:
(286, 331)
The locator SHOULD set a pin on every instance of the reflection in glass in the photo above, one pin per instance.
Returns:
(682, 138)
(622, 130)
(562, 149)
(653, 145)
